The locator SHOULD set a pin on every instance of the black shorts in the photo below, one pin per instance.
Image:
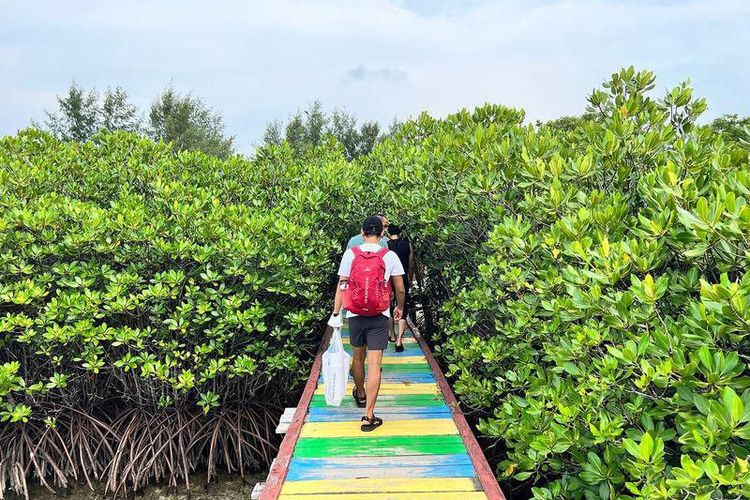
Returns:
(371, 331)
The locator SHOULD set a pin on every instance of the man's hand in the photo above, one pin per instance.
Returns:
(397, 313)
(335, 321)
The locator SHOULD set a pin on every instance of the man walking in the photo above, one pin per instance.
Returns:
(402, 247)
(365, 276)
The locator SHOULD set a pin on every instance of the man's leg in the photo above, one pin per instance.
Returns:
(358, 370)
(401, 331)
(374, 360)
(392, 325)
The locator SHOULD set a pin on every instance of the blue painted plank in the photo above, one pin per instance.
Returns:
(341, 414)
(408, 351)
(425, 466)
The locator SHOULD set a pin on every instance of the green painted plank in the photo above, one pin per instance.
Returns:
(374, 446)
(319, 400)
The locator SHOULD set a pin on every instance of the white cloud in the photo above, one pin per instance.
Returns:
(257, 61)
(389, 75)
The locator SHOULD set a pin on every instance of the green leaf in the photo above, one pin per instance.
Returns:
(631, 447)
(733, 404)
(571, 369)
(646, 447)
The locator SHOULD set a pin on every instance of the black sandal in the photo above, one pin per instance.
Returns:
(372, 423)
(400, 347)
(361, 403)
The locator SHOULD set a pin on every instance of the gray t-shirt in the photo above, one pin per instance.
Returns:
(393, 266)
(358, 240)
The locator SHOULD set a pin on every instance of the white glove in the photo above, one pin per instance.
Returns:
(335, 321)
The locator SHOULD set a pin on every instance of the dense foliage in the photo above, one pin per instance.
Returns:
(586, 282)
(599, 325)
(133, 278)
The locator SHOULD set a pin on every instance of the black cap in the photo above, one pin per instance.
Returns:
(372, 226)
(394, 229)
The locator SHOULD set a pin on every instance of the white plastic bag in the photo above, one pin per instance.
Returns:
(335, 369)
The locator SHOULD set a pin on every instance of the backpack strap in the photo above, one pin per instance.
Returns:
(356, 251)
(381, 253)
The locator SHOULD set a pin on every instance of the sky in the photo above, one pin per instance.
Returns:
(379, 59)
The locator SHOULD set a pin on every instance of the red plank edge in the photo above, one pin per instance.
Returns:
(484, 471)
(280, 467)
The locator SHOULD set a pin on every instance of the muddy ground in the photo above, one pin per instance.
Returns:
(225, 488)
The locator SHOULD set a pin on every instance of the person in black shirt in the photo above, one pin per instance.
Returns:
(401, 247)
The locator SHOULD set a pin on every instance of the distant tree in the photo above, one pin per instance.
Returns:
(77, 118)
(733, 127)
(368, 136)
(343, 127)
(273, 133)
(308, 128)
(188, 123)
(315, 124)
(81, 114)
(296, 133)
(117, 113)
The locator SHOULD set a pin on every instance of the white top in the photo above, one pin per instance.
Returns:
(393, 267)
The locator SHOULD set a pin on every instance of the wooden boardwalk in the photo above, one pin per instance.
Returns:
(424, 449)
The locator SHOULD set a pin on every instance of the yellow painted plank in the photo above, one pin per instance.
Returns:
(429, 388)
(420, 427)
(378, 485)
(396, 360)
(462, 495)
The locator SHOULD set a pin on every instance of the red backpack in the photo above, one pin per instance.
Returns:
(367, 292)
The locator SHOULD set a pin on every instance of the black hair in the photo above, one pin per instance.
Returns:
(373, 226)
(394, 229)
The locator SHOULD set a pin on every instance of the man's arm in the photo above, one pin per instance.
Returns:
(339, 297)
(398, 284)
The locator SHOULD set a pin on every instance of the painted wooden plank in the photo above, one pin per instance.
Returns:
(391, 345)
(393, 485)
(381, 472)
(413, 347)
(386, 413)
(384, 400)
(419, 452)
(351, 410)
(389, 428)
(462, 495)
(417, 460)
(394, 388)
(406, 367)
(308, 469)
(403, 360)
(379, 446)
(409, 350)
(387, 416)
(401, 377)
